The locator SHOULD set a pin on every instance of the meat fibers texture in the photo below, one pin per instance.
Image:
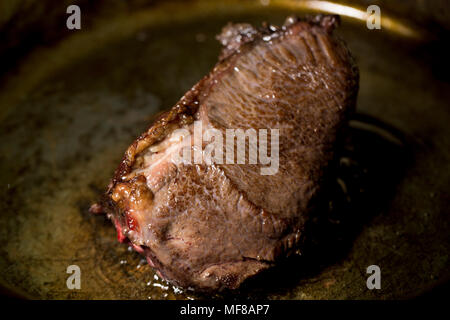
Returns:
(211, 226)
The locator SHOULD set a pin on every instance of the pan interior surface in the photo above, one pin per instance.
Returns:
(72, 110)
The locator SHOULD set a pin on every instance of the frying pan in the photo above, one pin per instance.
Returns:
(71, 101)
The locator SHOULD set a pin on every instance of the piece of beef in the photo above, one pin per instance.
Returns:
(212, 225)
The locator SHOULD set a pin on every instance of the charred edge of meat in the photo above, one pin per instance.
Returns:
(233, 36)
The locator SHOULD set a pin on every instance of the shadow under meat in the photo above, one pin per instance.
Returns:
(368, 167)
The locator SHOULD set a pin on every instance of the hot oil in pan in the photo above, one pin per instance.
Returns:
(62, 140)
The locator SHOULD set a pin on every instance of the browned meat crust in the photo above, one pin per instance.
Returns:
(213, 226)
